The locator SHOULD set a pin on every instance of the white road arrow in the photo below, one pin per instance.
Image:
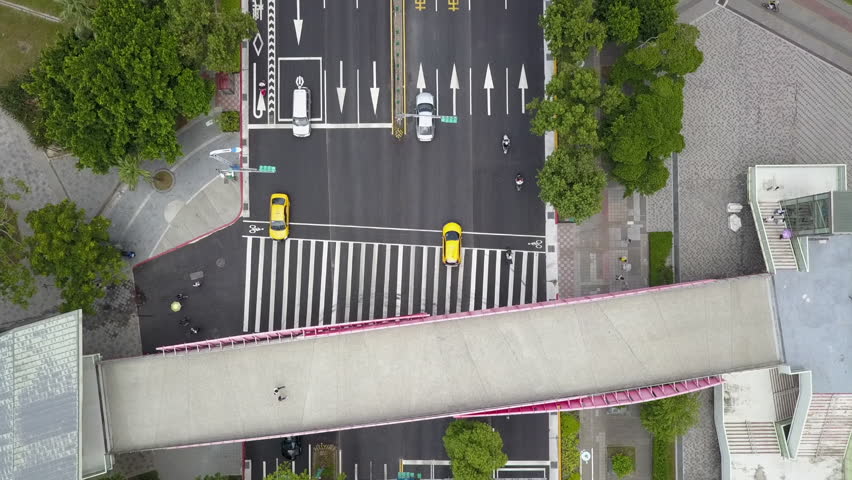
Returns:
(297, 23)
(421, 81)
(522, 84)
(374, 91)
(259, 104)
(454, 84)
(489, 84)
(341, 92)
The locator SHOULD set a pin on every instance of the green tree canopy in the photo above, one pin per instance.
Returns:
(572, 182)
(673, 52)
(669, 418)
(76, 252)
(570, 29)
(622, 465)
(16, 281)
(640, 140)
(475, 450)
(655, 16)
(622, 22)
(569, 108)
(223, 42)
(121, 91)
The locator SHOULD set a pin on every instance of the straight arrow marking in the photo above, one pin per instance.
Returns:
(489, 85)
(421, 81)
(374, 91)
(522, 85)
(341, 91)
(297, 22)
(454, 85)
(259, 106)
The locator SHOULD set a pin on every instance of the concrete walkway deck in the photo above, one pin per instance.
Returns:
(455, 364)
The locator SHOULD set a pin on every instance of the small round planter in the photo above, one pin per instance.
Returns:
(163, 180)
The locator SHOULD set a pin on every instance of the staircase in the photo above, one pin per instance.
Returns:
(780, 249)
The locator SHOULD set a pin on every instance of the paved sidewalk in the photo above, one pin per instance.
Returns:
(145, 221)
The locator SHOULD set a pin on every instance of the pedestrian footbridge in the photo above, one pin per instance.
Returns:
(574, 353)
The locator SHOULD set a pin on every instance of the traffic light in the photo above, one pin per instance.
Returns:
(449, 119)
(266, 169)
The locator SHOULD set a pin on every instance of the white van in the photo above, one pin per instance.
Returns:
(301, 112)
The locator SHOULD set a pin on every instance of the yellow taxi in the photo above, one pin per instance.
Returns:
(279, 216)
(452, 235)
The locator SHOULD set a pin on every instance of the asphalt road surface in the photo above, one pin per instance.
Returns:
(525, 438)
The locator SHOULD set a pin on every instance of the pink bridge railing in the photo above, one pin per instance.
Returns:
(341, 328)
(322, 330)
(612, 399)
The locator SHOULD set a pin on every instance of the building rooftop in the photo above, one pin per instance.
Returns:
(815, 314)
(40, 369)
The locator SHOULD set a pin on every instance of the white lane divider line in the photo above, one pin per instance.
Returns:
(472, 299)
(259, 293)
(460, 289)
(437, 90)
(486, 262)
(411, 280)
(498, 263)
(435, 282)
(470, 88)
(286, 287)
(323, 277)
(297, 301)
(510, 297)
(336, 279)
(398, 292)
(322, 126)
(535, 278)
(348, 304)
(273, 266)
(359, 314)
(248, 286)
(507, 90)
(423, 279)
(324, 98)
(373, 282)
(357, 95)
(386, 281)
(523, 298)
(448, 288)
(309, 306)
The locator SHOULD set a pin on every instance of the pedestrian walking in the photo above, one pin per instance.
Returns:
(185, 322)
(282, 397)
(278, 389)
(623, 259)
(619, 277)
(181, 296)
(196, 284)
(193, 330)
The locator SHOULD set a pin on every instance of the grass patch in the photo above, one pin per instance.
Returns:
(664, 460)
(22, 37)
(45, 6)
(659, 250)
(569, 449)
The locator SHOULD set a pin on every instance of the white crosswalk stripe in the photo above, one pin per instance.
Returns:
(376, 280)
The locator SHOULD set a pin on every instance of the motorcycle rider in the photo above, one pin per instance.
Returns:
(519, 179)
(506, 143)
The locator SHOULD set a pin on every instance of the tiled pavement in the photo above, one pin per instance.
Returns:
(701, 457)
(755, 100)
(589, 253)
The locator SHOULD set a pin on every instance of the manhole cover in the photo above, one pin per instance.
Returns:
(220, 262)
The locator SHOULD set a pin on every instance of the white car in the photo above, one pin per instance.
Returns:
(425, 123)
(301, 112)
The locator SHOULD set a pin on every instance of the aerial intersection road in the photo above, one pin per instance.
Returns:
(368, 208)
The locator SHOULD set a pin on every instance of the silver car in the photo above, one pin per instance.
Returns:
(425, 123)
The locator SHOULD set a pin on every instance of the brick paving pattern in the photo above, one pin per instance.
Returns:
(757, 99)
(701, 457)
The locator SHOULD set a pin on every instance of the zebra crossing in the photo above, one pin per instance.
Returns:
(304, 282)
